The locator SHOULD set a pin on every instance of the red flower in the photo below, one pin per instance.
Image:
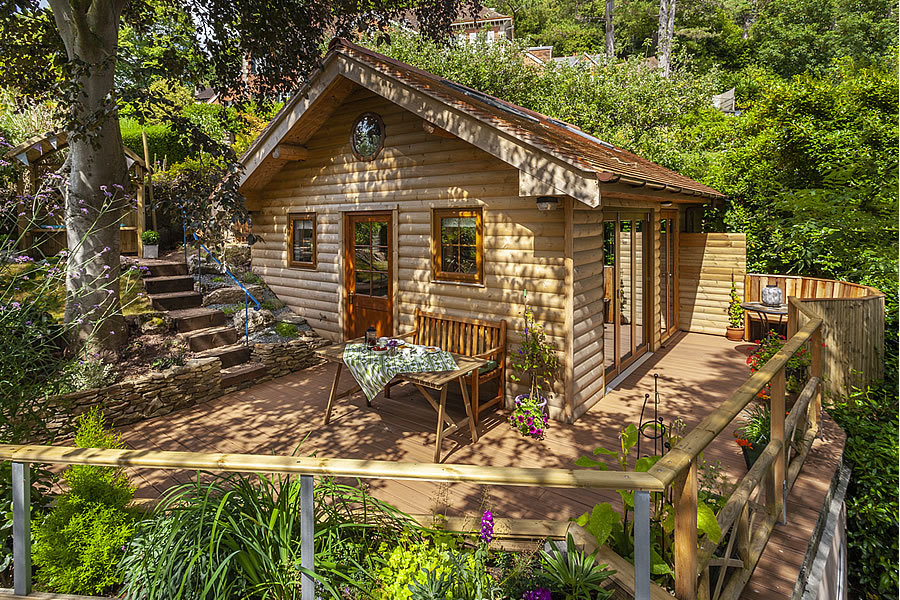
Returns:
(744, 443)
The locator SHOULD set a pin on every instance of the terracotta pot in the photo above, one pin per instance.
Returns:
(734, 334)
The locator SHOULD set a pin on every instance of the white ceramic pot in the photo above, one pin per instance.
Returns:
(151, 251)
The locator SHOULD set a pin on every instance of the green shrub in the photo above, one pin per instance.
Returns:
(77, 547)
(86, 374)
(251, 277)
(230, 309)
(176, 359)
(163, 144)
(408, 563)
(869, 417)
(150, 238)
(288, 330)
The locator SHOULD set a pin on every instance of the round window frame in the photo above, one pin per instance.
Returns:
(353, 149)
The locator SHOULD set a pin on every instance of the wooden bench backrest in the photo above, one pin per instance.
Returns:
(458, 334)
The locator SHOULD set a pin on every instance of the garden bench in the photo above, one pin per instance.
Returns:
(469, 337)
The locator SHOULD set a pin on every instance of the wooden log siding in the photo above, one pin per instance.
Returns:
(707, 262)
(414, 173)
(588, 309)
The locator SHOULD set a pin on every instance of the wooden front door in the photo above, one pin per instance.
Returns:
(369, 258)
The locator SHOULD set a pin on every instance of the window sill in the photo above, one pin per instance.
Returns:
(463, 283)
(301, 267)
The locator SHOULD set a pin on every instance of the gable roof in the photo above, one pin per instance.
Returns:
(552, 151)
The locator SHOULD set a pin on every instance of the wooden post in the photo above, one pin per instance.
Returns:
(685, 491)
(21, 505)
(776, 403)
(150, 180)
(817, 366)
(742, 532)
(140, 224)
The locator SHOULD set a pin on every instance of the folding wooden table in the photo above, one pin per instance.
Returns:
(437, 381)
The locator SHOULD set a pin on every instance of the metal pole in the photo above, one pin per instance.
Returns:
(184, 236)
(199, 270)
(246, 323)
(641, 545)
(307, 531)
(21, 488)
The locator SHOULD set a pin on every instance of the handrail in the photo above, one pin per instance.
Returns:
(227, 272)
(334, 467)
(689, 448)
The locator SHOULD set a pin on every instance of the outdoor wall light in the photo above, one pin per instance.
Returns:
(547, 202)
(666, 204)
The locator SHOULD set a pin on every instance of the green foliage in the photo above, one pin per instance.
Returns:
(78, 545)
(529, 416)
(150, 237)
(85, 375)
(175, 359)
(42, 482)
(252, 278)
(755, 424)
(408, 565)
(735, 312)
(575, 573)
(163, 142)
(230, 309)
(870, 419)
(536, 359)
(288, 330)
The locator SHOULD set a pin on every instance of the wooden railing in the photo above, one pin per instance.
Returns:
(748, 518)
(749, 514)
(853, 314)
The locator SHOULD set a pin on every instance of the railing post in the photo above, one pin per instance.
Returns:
(685, 491)
(817, 366)
(642, 545)
(742, 532)
(184, 236)
(776, 403)
(21, 501)
(307, 531)
(199, 270)
(246, 323)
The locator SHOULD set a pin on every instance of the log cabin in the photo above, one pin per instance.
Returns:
(380, 188)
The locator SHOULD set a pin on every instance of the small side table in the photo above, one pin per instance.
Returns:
(764, 313)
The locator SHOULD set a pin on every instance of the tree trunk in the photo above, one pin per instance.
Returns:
(98, 178)
(610, 35)
(665, 32)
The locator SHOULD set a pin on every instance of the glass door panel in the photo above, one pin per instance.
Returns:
(610, 291)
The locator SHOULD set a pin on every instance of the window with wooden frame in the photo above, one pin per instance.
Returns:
(457, 245)
(302, 251)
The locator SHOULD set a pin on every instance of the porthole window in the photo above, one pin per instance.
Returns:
(367, 137)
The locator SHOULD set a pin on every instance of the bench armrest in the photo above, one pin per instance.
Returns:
(408, 334)
(493, 352)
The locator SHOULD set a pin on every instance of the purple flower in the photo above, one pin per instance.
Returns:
(532, 430)
(538, 594)
(529, 421)
(487, 527)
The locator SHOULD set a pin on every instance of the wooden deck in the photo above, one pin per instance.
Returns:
(696, 373)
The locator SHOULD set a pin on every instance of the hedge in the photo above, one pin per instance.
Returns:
(163, 143)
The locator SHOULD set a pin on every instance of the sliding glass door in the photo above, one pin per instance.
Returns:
(668, 289)
(627, 263)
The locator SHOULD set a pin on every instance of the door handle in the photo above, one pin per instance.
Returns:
(350, 297)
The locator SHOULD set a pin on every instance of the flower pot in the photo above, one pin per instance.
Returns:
(734, 334)
(751, 455)
(151, 251)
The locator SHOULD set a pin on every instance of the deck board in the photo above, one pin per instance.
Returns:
(696, 373)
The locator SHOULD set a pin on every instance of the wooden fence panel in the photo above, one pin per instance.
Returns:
(707, 264)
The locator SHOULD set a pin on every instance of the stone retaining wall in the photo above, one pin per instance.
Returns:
(281, 359)
(150, 396)
(174, 389)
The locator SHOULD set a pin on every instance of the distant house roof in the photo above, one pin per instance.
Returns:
(522, 129)
(463, 18)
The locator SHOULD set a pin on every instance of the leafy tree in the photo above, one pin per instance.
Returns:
(284, 40)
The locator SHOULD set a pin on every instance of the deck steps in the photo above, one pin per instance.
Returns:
(206, 339)
(240, 373)
(170, 301)
(169, 283)
(166, 269)
(230, 356)
(192, 319)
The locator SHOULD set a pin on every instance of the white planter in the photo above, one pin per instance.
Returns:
(151, 251)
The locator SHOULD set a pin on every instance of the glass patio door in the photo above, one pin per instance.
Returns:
(668, 289)
(627, 261)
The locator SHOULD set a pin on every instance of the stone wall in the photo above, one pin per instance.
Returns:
(150, 396)
(283, 358)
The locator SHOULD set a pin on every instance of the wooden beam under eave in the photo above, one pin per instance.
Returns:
(290, 152)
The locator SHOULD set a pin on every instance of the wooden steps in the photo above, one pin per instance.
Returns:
(205, 339)
(238, 374)
(176, 300)
(230, 356)
(165, 269)
(192, 319)
(169, 283)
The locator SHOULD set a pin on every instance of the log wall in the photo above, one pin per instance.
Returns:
(708, 263)
(414, 173)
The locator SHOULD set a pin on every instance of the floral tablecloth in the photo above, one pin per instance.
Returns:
(373, 370)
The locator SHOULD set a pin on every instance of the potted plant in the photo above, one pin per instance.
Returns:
(796, 369)
(150, 239)
(754, 431)
(537, 361)
(735, 329)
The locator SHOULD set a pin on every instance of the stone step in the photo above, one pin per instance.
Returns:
(192, 319)
(205, 339)
(165, 269)
(240, 373)
(234, 354)
(169, 283)
(176, 300)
